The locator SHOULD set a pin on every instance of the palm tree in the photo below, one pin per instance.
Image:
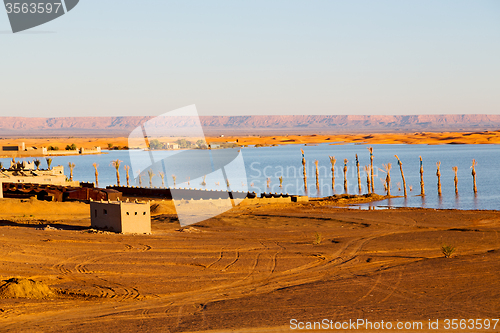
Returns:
(96, 174)
(71, 167)
(174, 178)
(127, 168)
(162, 176)
(151, 175)
(37, 163)
(116, 164)
(49, 162)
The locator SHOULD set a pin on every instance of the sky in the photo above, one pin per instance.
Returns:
(273, 57)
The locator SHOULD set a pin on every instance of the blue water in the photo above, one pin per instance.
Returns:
(286, 161)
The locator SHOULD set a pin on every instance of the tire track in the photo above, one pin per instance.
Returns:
(232, 262)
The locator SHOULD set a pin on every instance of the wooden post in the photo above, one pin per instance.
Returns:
(367, 170)
(333, 161)
(304, 169)
(455, 168)
(317, 174)
(359, 177)
(371, 169)
(345, 175)
(422, 189)
(438, 174)
(402, 174)
(474, 163)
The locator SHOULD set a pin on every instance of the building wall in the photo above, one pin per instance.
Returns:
(136, 218)
(122, 217)
(104, 215)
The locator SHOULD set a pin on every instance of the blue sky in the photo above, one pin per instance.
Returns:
(255, 57)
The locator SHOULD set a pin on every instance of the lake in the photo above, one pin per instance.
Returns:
(286, 161)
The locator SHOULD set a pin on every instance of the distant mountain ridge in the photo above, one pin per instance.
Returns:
(215, 125)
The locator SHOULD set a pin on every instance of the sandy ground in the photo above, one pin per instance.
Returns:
(252, 269)
(488, 137)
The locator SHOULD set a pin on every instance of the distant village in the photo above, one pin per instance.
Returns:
(22, 150)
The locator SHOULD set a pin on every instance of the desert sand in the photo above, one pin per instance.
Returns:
(252, 269)
(487, 137)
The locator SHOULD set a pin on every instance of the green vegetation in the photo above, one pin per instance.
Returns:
(448, 250)
(71, 147)
(183, 143)
(53, 148)
(318, 238)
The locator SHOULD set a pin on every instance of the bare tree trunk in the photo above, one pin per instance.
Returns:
(422, 189)
(474, 163)
(388, 167)
(402, 173)
(359, 176)
(304, 170)
(371, 169)
(438, 174)
(317, 175)
(333, 161)
(367, 170)
(455, 168)
(345, 175)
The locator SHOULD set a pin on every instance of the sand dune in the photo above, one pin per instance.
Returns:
(486, 137)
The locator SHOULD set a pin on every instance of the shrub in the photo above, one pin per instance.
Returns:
(448, 250)
(318, 238)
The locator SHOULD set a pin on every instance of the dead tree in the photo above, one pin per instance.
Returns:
(371, 168)
(333, 161)
(438, 174)
(422, 189)
(473, 167)
(345, 175)
(367, 170)
(359, 176)
(304, 169)
(455, 169)
(402, 173)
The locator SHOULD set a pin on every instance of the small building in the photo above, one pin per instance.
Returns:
(170, 146)
(121, 217)
(24, 172)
